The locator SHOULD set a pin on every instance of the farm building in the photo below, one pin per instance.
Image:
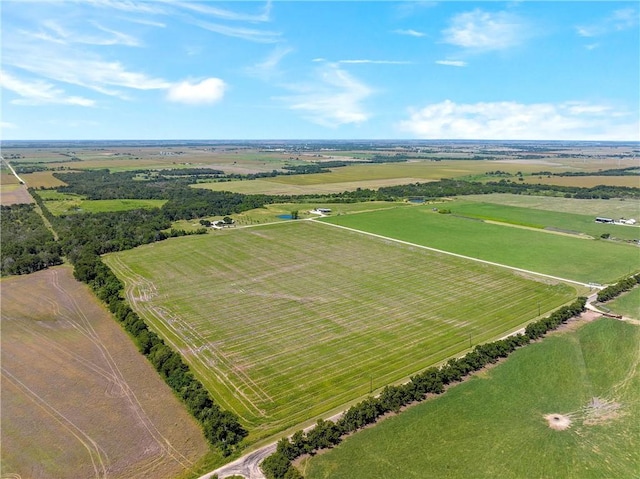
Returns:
(600, 219)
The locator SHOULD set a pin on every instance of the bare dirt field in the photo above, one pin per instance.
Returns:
(78, 400)
(14, 194)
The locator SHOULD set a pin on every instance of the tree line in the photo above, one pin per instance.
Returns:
(326, 434)
(221, 428)
(618, 288)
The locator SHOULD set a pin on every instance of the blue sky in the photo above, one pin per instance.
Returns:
(168, 69)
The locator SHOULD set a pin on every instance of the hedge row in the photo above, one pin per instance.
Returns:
(326, 434)
(620, 287)
(221, 428)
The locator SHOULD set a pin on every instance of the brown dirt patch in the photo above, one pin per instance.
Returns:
(14, 194)
(558, 422)
(79, 399)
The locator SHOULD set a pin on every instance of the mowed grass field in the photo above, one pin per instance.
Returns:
(78, 399)
(541, 219)
(493, 425)
(609, 208)
(62, 204)
(578, 259)
(289, 321)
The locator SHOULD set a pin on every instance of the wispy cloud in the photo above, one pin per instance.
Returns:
(483, 31)
(452, 63)
(251, 34)
(131, 6)
(336, 99)
(411, 33)
(208, 9)
(268, 68)
(56, 33)
(619, 20)
(39, 92)
(210, 90)
(83, 70)
(519, 121)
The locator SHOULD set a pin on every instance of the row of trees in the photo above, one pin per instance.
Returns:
(83, 238)
(326, 434)
(26, 245)
(221, 428)
(620, 287)
(442, 188)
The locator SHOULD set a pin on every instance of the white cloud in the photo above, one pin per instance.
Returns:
(411, 33)
(479, 30)
(5, 125)
(80, 69)
(39, 92)
(452, 63)
(619, 20)
(518, 121)
(335, 100)
(209, 90)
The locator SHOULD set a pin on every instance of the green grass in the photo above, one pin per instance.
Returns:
(75, 204)
(493, 425)
(537, 218)
(610, 208)
(288, 321)
(544, 252)
(628, 304)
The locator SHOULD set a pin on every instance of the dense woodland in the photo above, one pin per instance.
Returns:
(26, 245)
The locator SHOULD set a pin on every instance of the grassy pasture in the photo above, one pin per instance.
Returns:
(628, 304)
(288, 321)
(493, 424)
(78, 205)
(580, 224)
(608, 208)
(269, 187)
(585, 181)
(573, 258)
(78, 399)
(42, 179)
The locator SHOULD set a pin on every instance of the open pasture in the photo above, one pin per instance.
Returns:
(78, 399)
(77, 205)
(536, 218)
(493, 425)
(584, 260)
(42, 179)
(627, 304)
(120, 158)
(585, 181)
(596, 207)
(288, 321)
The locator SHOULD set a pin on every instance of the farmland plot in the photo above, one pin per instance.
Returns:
(585, 260)
(288, 321)
(78, 400)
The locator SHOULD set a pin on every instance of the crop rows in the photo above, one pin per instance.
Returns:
(287, 321)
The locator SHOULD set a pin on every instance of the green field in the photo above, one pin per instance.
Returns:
(493, 425)
(537, 218)
(75, 204)
(288, 321)
(567, 257)
(610, 208)
(627, 304)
